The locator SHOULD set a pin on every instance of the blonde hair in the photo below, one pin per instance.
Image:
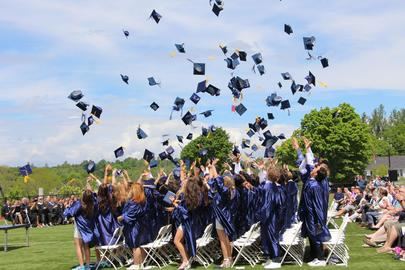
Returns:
(136, 193)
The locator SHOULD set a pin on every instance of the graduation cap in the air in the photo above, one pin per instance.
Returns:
(207, 113)
(179, 138)
(269, 152)
(261, 69)
(286, 76)
(240, 109)
(242, 55)
(307, 87)
(279, 85)
(250, 133)
(180, 48)
(324, 62)
(124, 78)
(76, 95)
(285, 104)
(254, 126)
(152, 81)
(309, 43)
(165, 143)
(96, 111)
(25, 170)
(201, 86)
(213, 90)
(224, 49)
(262, 123)
(235, 56)
(178, 104)
(153, 163)
(231, 63)
(141, 134)
(254, 147)
(169, 150)
(296, 87)
(217, 9)
(90, 120)
(90, 166)
(163, 155)
(195, 98)
(273, 100)
(288, 29)
(126, 33)
(213, 128)
(148, 155)
(156, 16)
(119, 152)
(82, 105)
(203, 152)
(204, 131)
(154, 106)
(189, 136)
(235, 150)
(302, 100)
(84, 128)
(188, 118)
(270, 116)
(198, 68)
(281, 136)
(257, 58)
(311, 79)
(245, 143)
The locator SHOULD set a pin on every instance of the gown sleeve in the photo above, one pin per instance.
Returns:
(73, 210)
(132, 213)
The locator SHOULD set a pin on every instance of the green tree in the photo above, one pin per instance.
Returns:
(217, 144)
(377, 121)
(395, 138)
(340, 136)
(381, 170)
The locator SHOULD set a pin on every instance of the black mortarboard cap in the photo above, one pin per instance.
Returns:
(309, 43)
(119, 152)
(126, 33)
(154, 106)
(288, 29)
(281, 136)
(76, 95)
(254, 147)
(302, 100)
(188, 118)
(96, 111)
(195, 98)
(165, 143)
(202, 86)
(257, 58)
(25, 170)
(324, 62)
(245, 143)
(250, 133)
(267, 134)
(224, 49)
(169, 150)
(242, 55)
(198, 68)
(180, 48)
(307, 87)
(84, 128)
(235, 150)
(163, 156)
(141, 134)
(311, 79)
(234, 56)
(254, 126)
(156, 16)
(124, 78)
(189, 136)
(270, 116)
(90, 120)
(286, 76)
(262, 123)
(269, 152)
(204, 131)
(148, 155)
(273, 100)
(285, 104)
(152, 81)
(240, 109)
(82, 105)
(279, 85)
(294, 87)
(217, 9)
(261, 69)
(231, 63)
(90, 167)
(207, 113)
(153, 163)
(179, 138)
(213, 90)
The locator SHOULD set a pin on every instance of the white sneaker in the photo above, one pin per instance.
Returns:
(134, 267)
(267, 263)
(316, 263)
(273, 265)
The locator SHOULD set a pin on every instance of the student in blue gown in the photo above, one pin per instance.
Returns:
(188, 199)
(106, 221)
(313, 217)
(202, 215)
(292, 201)
(86, 235)
(135, 225)
(223, 195)
(272, 218)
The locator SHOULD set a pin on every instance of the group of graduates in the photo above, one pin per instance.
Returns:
(192, 198)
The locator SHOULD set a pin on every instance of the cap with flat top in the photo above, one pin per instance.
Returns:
(273, 100)
(231, 63)
(189, 136)
(285, 104)
(198, 68)
(254, 147)
(169, 150)
(288, 29)
(76, 95)
(245, 143)
(195, 98)
(179, 138)
(156, 16)
(224, 49)
(126, 33)
(204, 131)
(180, 48)
(203, 152)
(286, 76)
(213, 90)
(207, 113)
(82, 105)
(90, 120)
(309, 43)
(281, 136)
(165, 143)
(90, 167)
(153, 163)
(141, 134)
(96, 111)
(152, 81)
(324, 62)
(217, 9)
(119, 152)
(257, 58)
(240, 109)
(261, 69)
(84, 128)
(311, 78)
(302, 100)
(148, 155)
(242, 55)
(124, 78)
(270, 116)
(154, 106)
(25, 170)
(279, 85)
(188, 118)
(250, 133)
(163, 155)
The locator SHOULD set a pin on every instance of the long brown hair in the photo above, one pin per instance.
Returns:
(137, 193)
(191, 192)
(87, 203)
(104, 198)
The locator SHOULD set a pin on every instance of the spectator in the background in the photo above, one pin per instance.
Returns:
(361, 182)
(338, 198)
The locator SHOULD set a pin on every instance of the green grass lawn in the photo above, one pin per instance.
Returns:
(52, 248)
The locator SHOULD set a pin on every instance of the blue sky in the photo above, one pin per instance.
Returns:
(50, 48)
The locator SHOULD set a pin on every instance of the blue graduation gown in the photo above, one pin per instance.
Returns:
(202, 216)
(106, 223)
(222, 205)
(312, 214)
(272, 219)
(291, 203)
(183, 217)
(151, 214)
(135, 225)
(86, 226)
(325, 187)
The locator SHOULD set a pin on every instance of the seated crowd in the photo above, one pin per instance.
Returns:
(377, 205)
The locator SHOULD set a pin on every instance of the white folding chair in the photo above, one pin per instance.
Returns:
(245, 246)
(203, 256)
(331, 213)
(336, 245)
(111, 252)
(152, 249)
(293, 245)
